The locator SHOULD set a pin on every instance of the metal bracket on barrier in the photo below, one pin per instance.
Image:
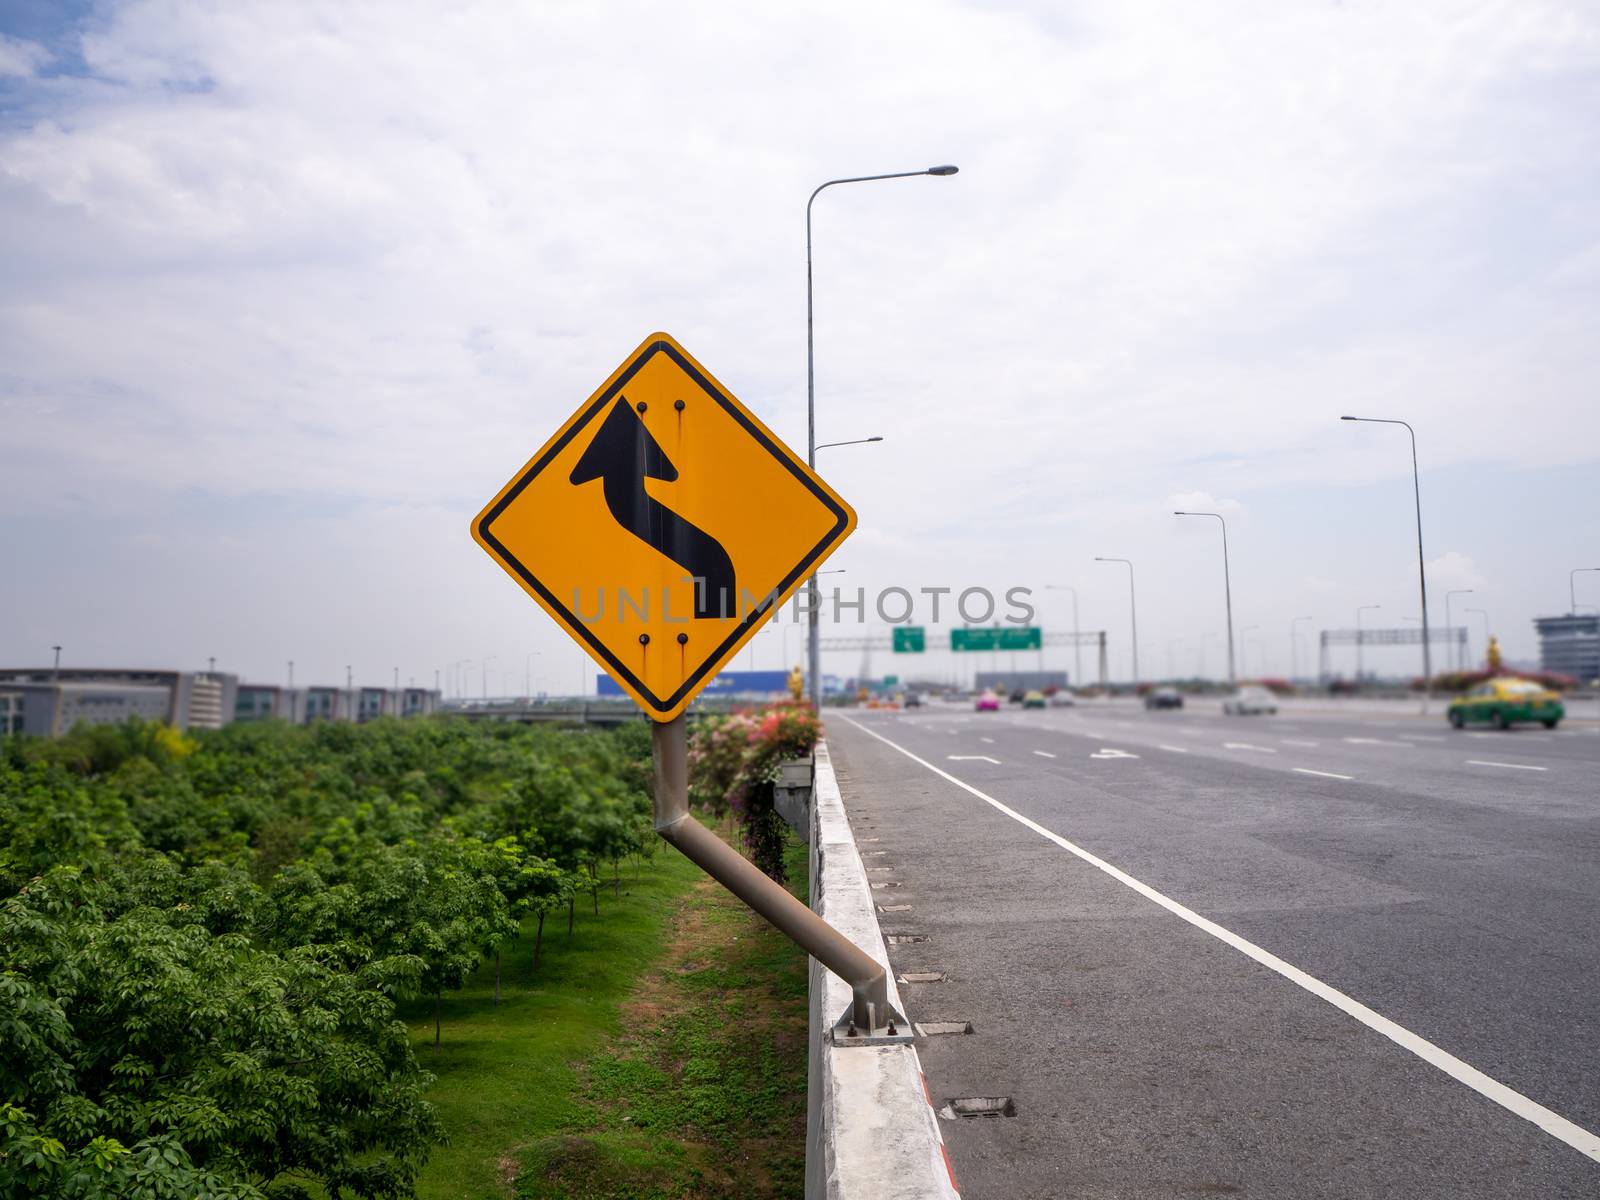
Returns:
(895, 1031)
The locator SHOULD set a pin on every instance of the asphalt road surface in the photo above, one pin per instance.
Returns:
(1303, 955)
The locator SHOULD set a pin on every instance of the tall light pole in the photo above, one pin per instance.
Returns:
(527, 673)
(55, 671)
(814, 649)
(485, 669)
(1077, 650)
(1133, 617)
(1422, 567)
(1572, 586)
(1294, 660)
(1485, 617)
(851, 442)
(1359, 611)
(1227, 585)
(1449, 629)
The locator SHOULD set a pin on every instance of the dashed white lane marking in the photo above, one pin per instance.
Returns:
(1044, 754)
(1479, 762)
(1247, 746)
(972, 758)
(1108, 752)
(1296, 742)
(1557, 1126)
(1174, 749)
(1324, 774)
(1377, 742)
(987, 741)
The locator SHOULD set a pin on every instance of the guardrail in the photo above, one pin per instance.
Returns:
(871, 1133)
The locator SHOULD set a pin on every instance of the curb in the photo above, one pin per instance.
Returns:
(871, 1131)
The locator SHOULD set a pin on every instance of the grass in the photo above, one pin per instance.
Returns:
(659, 1054)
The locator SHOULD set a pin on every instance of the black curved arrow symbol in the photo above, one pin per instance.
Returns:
(624, 455)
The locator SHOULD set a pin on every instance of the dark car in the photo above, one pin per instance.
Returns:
(1018, 695)
(1163, 698)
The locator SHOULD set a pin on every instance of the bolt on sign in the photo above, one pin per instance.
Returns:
(662, 525)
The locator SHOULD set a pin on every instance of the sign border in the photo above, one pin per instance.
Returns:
(662, 709)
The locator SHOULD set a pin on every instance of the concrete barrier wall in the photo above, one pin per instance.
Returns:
(871, 1133)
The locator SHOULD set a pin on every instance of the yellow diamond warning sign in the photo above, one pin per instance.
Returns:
(662, 525)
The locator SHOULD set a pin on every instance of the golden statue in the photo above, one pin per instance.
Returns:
(1493, 661)
(797, 683)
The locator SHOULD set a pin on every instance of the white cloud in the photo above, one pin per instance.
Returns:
(1451, 571)
(20, 57)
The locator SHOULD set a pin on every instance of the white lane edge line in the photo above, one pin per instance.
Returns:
(1044, 754)
(1324, 774)
(1481, 762)
(1557, 1126)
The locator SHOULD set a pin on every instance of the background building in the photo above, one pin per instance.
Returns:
(1570, 645)
(42, 701)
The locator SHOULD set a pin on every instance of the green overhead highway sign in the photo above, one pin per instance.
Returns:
(991, 637)
(910, 639)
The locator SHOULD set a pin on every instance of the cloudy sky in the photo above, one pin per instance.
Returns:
(291, 289)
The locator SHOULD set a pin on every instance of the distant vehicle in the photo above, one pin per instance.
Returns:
(1504, 702)
(1163, 698)
(1018, 695)
(1033, 700)
(913, 700)
(1062, 699)
(1249, 702)
(988, 702)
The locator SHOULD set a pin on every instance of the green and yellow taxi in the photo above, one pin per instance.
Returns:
(1504, 702)
(1033, 700)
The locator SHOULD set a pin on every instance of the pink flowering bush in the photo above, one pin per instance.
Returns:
(733, 763)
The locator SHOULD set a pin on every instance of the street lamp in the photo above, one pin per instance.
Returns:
(1294, 660)
(851, 442)
(485, 669)
(1077, 650)
(55, 671)
(1133, 617)
(1450, 629)
(1227, 586)
(1422, 570)
(814, 648)
(1359, 611)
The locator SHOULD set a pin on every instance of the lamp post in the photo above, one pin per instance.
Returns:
(1227, 586)
(1077, 650)
(1455, 656)
(55, 671)
(1572, 585)
(1294, 659)
(814, 649)
(851, 442)
(1480, 612)
(1133, 617)
(485, 669)
(1359, 611)
(1422, 569)
(527, 674)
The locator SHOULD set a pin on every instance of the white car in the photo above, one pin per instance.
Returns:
(1250, 701)
(1061, 699)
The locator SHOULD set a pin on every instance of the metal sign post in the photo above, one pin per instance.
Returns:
(661, 526)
